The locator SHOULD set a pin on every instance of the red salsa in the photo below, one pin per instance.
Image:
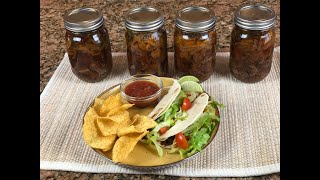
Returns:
(141, 89)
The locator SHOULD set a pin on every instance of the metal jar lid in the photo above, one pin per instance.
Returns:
(255, 17)
(195, 19)
(83, 19)
(144, 19)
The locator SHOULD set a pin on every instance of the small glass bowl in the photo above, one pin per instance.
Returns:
(146, 100)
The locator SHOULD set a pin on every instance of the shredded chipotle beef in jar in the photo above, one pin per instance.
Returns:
(195, 53)
(195, 42)
(88, 45)
(146, 42)
(252, 43)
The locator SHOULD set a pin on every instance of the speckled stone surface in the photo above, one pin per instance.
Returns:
(52, 47)
(52, 43)
(46, 175)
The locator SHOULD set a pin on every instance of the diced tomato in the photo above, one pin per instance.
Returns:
(181, 141)
(186, 104)
(163, 130)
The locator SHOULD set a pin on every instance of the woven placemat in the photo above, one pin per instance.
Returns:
(247, 143)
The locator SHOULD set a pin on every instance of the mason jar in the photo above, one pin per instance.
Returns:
(195, 42)
(252, 43)
(146, 40)
(88, 44)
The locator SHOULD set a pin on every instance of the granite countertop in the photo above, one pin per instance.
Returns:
(52, 46)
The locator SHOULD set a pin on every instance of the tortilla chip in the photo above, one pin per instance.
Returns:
(118, 110)
(143, 123)
(105, 142)
(107, 126)
(134, 119)
(98, 104)
(110, 103)
(92, 135)
(109, 145)
(124, 145)
(120, 114)
(128, 130)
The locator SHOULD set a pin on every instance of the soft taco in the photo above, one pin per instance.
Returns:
(186, 118)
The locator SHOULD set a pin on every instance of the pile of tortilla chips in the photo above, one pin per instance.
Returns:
(107, 125)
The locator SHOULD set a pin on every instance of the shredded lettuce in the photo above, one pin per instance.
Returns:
(152, 136)
(160, 119)
(174, 148)
(196, 142)
(203, 121)
(181, 115)
(181, 95)
(154, 139)
(216, 104)
(168, 114)
(179, 100)
(200, 132)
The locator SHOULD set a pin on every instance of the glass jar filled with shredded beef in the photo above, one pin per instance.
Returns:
(195, 42)
(146, 40)
(252, 43)
(87, 44)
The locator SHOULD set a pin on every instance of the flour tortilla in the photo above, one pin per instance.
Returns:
(166, 101)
